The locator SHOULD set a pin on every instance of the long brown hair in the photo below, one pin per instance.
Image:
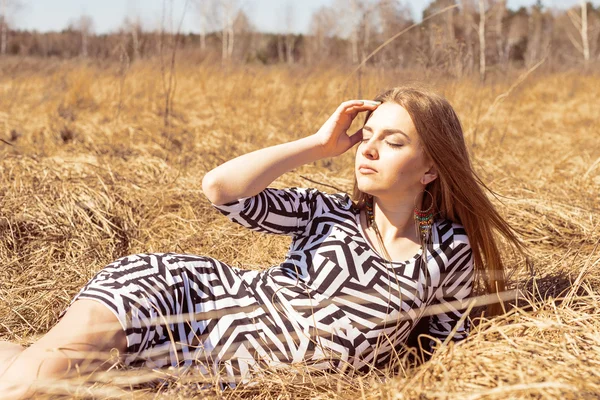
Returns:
(457, 192)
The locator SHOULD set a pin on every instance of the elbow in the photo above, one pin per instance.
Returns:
(210, 188)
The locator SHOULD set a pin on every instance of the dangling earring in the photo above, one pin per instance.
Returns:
(424, 219)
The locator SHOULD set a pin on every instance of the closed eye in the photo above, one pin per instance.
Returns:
(394, 144)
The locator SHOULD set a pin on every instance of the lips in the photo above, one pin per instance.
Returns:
(366, 169)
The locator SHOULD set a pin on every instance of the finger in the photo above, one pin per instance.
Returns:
(371, 106)
(346, 105)
(351, 103)
(363, 104)
(370, 102)
(355, 110)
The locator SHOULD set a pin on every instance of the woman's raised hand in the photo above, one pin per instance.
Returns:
(332, 135)
(250, 173)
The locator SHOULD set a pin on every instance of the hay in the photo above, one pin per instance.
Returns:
(88, 173)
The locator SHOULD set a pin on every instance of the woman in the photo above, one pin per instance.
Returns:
(356, 279)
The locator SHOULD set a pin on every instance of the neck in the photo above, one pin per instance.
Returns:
(395, 218)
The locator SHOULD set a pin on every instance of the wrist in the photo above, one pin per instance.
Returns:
(314, 147)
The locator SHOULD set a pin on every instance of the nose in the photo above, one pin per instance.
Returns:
(369, 150)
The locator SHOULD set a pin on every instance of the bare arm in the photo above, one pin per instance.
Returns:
(249, 174)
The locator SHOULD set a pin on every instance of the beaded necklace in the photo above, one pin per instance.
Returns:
(423, 223)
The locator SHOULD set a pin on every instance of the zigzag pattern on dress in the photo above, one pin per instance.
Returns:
(333, 303)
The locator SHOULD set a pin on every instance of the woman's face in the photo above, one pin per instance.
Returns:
(389, 160)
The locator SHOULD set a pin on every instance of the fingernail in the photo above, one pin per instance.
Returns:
(372, 102)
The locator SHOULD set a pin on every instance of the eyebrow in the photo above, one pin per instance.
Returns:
(388, 131)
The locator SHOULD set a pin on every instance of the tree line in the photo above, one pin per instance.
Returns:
(455, 36)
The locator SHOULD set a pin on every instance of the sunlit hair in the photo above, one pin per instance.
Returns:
(458, 193)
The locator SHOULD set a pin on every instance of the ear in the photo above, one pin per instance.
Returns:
(430, 175)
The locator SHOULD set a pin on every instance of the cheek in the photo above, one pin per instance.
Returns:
(401, 168)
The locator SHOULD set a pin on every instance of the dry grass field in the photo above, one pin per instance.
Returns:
(89, 172)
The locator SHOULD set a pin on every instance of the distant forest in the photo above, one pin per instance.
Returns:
(455, 37)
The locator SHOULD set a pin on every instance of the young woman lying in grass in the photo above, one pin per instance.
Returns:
(358, 276)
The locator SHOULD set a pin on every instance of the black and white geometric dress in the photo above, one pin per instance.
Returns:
(332, 304)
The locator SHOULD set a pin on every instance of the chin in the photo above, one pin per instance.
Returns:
(366, 187)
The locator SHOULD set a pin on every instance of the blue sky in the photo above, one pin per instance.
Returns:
(46, 15)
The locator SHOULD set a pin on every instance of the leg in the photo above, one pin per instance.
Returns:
(88, 327)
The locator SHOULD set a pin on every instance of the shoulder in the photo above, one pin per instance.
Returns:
(452, 234)
(328, 200)
(339, 200)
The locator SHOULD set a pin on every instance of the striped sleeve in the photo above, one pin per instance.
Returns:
(280, 211)
(455, 289)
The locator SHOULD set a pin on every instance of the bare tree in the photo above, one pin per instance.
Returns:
(227, 8)
(289, 37)
(133, 28)
(393, 17)
(581, 23)
(498, 13)
(449, 19)
(482, 40)
(467, 11)
(280, 49)
(286, 16)
(243, 30)
(356, 19)
(85, 26)
(441, 48)
(167, 65)
(227, 17)
(206, 23)
(535, 39)
(359, 19)
(516, 37)
(584, 32)
(7, 9)
(3, 28)
(323, 26)
(217, 16)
